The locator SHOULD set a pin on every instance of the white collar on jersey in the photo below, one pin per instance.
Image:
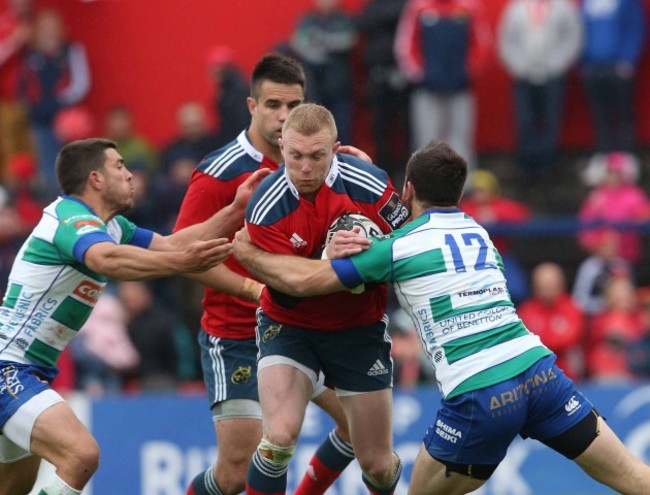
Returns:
(245, 143)
(329, 180)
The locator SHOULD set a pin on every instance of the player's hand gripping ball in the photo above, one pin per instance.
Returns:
(348, 221)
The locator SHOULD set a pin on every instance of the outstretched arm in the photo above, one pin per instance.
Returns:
(126, 262)
(292, 275)
(221, 224)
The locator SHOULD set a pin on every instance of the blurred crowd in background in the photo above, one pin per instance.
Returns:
(420, 58)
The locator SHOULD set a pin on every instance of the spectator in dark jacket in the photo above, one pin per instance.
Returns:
(387, 88)
(54, 75)
(440, 46)
(614, 34)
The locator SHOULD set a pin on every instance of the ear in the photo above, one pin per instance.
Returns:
(95, 180)
(408, 192)
(335, 148)
(251, 104)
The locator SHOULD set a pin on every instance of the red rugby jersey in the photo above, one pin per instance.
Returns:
(281, 221)
(212, 187)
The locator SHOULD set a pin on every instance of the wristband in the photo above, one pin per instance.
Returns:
(251, 290)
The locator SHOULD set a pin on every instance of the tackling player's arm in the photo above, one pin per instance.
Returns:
(293, 275)
(126, 262)
(221, 224)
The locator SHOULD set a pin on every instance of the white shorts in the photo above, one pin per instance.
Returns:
(317, 381)
(16, 434)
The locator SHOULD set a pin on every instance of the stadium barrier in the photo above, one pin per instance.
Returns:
(154, 445)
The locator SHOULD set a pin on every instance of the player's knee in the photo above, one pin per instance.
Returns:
(276, 454)
(378, 468)
(84, 459)
(384, 481)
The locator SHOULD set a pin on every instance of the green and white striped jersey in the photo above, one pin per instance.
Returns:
(448, 277)
(50, 292)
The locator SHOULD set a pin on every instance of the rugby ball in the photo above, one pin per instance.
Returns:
(348, 221)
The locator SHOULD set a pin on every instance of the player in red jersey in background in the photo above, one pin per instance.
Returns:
(227, 335)
(342, 335)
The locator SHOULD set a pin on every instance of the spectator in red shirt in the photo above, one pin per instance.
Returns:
(16, 17)
(552, 314)
(613, 331)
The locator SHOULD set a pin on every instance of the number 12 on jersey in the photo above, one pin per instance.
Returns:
(470, 240)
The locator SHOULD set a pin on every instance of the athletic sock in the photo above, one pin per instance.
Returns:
(389, 488)
(265, 477)
(204, 484)
(57, 486)
(329, 461)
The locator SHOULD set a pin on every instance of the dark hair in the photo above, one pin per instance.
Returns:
(276, 68)
(77, 159)
(437, 174)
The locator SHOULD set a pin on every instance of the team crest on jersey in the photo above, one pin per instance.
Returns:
(271, 332)
(241, 375)
(88, 291)
(394, 212)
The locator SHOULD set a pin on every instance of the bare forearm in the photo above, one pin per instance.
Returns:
(293, 275)
(221, 224)
(131, 263)
(125, 262)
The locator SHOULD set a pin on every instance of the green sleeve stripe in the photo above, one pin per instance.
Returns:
(41, 252)
(501, 372)
(12, 295)
(72, 313)
(420, 265)
(127, 227)
(460, 348)
(42, 353)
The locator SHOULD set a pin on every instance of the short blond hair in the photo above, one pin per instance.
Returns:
(309, 119)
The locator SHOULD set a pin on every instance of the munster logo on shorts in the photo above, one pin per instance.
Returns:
(271, 332)
(241, 375)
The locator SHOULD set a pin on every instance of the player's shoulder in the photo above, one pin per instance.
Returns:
(272, 200)
(361, 180)
(232, 160)
(70, 210)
